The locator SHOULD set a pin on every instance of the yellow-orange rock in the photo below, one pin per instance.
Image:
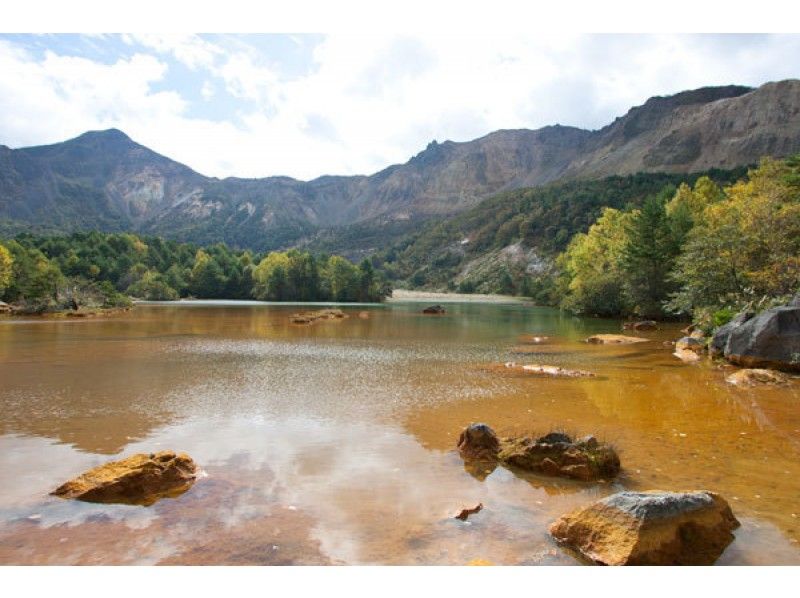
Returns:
(141, 479)
(615, 339)
(756, 377)
(650, 528)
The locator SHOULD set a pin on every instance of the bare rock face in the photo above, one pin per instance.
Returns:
(554, 454)
(769, 340)
(140, 479)
(756, 377)
(614, 339)
(650, 528)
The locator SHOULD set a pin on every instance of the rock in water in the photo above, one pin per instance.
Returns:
(434, 309)
(720, 338)
(771, 339)
(140, 479)
(690, 343)
(478, 442)
(614, 339)
(643, 325)
(756, 377)
(554, 454)
(650, 528)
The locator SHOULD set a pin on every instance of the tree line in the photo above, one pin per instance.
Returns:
(702, 250)
(41, 273)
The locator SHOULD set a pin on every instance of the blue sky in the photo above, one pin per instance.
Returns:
(309, 105)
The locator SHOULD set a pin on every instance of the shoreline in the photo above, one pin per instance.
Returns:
(399, 295)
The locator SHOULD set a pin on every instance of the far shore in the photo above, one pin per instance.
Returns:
(426, 296)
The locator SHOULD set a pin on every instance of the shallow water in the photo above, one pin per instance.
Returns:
(335, 442)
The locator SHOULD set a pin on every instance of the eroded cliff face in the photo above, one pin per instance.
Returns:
(105, 180)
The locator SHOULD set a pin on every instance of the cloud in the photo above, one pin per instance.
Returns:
(358, 103)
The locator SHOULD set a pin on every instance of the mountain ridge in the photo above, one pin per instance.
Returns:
(106, 180)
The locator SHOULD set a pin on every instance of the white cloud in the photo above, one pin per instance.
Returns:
(366, 102)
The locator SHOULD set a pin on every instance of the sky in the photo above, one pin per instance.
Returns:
(309, 105)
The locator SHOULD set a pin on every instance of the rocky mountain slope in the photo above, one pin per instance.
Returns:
(104, 180)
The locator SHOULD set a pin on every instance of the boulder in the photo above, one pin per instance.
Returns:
(553, 454)
(650, 528)
(688, 343)
(5, 308)
(478, 442)
(769, 340)
(434, 309)
(141, 479)
(720, 339)
(756, 377)
(614, 339)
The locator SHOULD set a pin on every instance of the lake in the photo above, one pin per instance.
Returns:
(335, 443)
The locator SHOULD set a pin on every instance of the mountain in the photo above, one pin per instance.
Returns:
(104, 180)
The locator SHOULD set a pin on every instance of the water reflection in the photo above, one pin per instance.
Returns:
(334, 443)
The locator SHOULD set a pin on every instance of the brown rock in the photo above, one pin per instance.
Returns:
(687, 355)
(756, 377)
(650, 528)
(549, 467)
(139, 479)
(478, 442)
(643, 325)
(464, 514)
(434, 309)
(689, 343)
(614, 339)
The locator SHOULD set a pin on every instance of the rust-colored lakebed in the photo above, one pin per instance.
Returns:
(334, 442)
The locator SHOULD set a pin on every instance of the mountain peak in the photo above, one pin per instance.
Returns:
(113, 135)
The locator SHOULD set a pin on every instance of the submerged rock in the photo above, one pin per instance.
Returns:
(650, 528)
(614, 339)
(769, 340)
(690, 343)
(687, 355)
(756, 377)
(140, 479)
(554, 454)
(434, 309)
(643, 325)
(312, 316)
(540, 370)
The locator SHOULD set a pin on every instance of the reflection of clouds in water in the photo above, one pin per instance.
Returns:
(372, 492)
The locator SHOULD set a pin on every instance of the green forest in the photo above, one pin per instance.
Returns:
(701, 250)
(50, 273)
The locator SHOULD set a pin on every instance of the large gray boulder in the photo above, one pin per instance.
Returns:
(723, 333)
(769, 340)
